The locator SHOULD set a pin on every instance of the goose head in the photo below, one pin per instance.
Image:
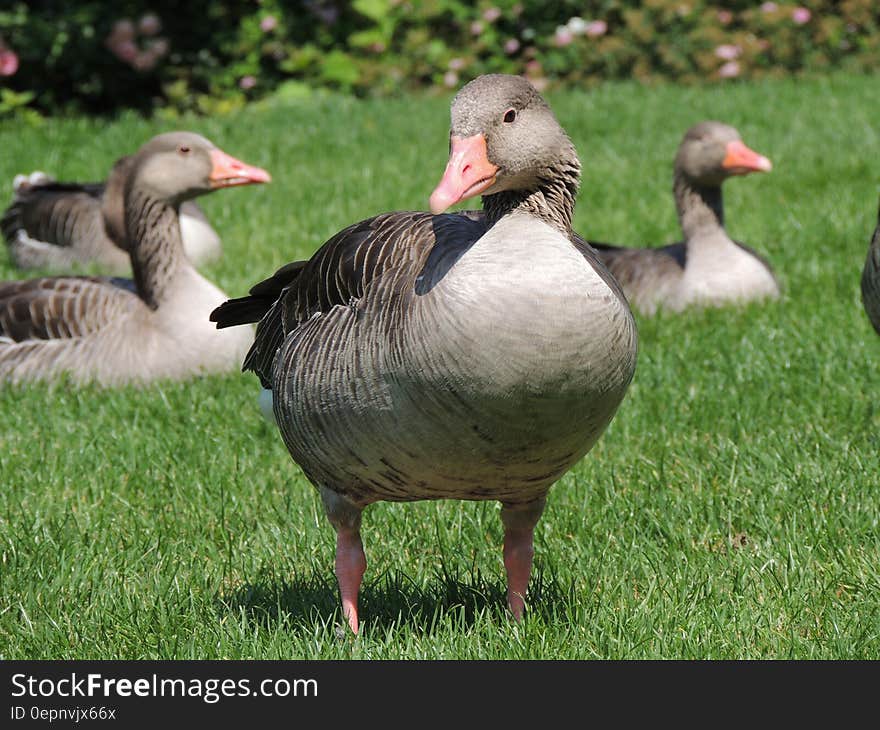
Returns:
(503, 137)
(178, 166)
(711, 152)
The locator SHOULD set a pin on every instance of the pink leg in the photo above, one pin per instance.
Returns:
(518, 554)
(351, 563)
(345, 516)
(519, 529)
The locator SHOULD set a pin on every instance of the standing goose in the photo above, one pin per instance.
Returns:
(57, 225)
(708, 268)
(871, 279)
(115, 331)
(419, 356)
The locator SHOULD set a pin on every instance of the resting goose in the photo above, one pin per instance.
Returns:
(57, 225)
(707, 268)
(871, 279)
(419, 356)
(114, 331)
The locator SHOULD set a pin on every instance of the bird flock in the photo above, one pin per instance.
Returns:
(416, 355)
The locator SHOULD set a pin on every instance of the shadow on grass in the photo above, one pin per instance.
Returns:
(392, 600)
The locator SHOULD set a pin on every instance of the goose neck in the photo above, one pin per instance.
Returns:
(700, 207)
(551, 200)
(156, 247)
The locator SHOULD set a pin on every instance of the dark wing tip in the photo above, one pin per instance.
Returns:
(273, 286)
(10, 222)
(234, 312)
(263, 295)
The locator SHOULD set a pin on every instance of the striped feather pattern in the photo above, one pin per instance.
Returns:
(420, 356)
(51, 212)
(59, 225)
(116, 331)
(339, 273)
(60, 308)
(360, 348)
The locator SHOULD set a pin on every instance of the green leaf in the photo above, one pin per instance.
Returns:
(10, 98)
(340, 68)
(366, 38)
(293, 90)
(375, 10)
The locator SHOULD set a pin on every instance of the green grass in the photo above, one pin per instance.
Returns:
(730, 511)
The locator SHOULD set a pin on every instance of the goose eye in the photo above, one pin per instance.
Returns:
(183, 149)
(509, 116)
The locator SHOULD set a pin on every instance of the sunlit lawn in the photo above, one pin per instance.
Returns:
(731, 510)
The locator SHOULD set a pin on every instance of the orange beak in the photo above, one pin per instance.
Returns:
(740, 160)
(468, 173)
(228, 172)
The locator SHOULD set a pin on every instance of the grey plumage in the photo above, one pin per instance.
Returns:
(707, 268)
(115, 331)
(420, 356)
(61, 225)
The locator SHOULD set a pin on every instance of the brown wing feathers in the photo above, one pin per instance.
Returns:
(263, 305)
(631, 266)
(52, 308)
(339, 273)
(50, 212)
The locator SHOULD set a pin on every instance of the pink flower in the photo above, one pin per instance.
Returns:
(125, 51)
(729, 70)
(490, 15)
(450, 79)
(150, 24)
(123, 30)
(511, 46)
(247, 82)
(728, 52)
(769, 7)
(456, 64)
(8, 62)
(563, 36)
(725, 17)
(144, 61)
(596, 28)
(533, 68)
(476, 27)
(801, 15)
(268, 24)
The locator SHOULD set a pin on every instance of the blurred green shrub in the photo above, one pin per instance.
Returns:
(208, 55)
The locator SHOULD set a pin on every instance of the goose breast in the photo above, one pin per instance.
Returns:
(466, 386)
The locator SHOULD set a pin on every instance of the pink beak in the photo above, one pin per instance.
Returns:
(468, 173)
(228, 171)
(740, 160)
